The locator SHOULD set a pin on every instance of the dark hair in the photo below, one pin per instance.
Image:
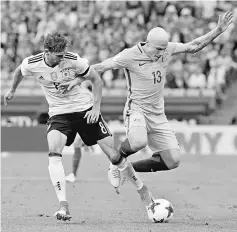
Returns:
(55, 42)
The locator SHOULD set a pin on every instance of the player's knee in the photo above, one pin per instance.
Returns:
(54, 148)
(174, 164)
(138, 143)
(115, 158)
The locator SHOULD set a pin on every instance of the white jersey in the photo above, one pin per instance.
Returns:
(77, 99)
(145, 77)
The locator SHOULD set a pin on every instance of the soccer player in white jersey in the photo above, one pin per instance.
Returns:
(70, 112)
(145, 66)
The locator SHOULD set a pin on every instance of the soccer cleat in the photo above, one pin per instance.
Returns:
(71, 178)
(114, 177)
(63, 214)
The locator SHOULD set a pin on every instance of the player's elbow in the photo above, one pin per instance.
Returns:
(98, 68)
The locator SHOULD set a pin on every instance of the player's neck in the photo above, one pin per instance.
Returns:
(47, 62)
(148, 53)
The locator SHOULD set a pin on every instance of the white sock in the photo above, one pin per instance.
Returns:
(57, 175)
(127, 170)
(123, 164)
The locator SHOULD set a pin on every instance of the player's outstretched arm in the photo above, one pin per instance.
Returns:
(103, 66)
(17, 78)
(199, 43)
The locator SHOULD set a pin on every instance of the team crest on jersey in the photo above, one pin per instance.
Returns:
(67, 74)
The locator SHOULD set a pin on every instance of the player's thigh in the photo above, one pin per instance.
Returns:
(56, 141)
(91, 133)
(136, 130)
(171, 157)
(163, 141)
(60, 132)
(107, 146)
(78, 143)
(99, 133)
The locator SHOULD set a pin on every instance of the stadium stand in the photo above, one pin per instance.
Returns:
(196, 84)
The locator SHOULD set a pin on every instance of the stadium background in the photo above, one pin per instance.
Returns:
(200, 100)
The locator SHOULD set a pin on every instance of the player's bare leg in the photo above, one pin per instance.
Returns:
(124, 169)
(160, 161)
(120, 169)
(56, 142)
(75, 164)
(135, 141)
(107, 145)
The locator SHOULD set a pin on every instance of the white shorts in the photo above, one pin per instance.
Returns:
(160, 136)
(78, 143)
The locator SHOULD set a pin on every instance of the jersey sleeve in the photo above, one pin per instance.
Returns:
(25, 68)
(82, 66)
(121, 60)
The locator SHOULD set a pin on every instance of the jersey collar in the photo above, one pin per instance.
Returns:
(45, 62)
(140, 47)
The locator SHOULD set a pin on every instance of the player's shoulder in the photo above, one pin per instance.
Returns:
(169, 51)
(75, 59)
(33, 60)
(71, 56)
(127, 53)
(135, 50)
(171, 46)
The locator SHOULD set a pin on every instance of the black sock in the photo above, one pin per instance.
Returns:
(125, 149)
(51, 154)
(153, 164)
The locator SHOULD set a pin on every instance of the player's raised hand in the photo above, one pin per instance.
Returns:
(225, 20)
(8, 96)
(92, 115)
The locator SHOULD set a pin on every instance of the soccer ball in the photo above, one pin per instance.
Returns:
(160, 210)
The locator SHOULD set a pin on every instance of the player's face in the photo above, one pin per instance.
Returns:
(55, 57)
(156, 51)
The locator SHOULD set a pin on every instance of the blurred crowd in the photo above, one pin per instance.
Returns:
(97, 30)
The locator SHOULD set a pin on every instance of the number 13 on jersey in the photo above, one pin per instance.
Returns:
(157, 76)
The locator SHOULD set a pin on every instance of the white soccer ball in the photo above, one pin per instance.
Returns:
(160, 211)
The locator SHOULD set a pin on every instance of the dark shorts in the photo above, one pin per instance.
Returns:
(73, 123)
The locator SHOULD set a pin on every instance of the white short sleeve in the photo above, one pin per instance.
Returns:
(25, 69)
(82, 66)
(121, 60)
